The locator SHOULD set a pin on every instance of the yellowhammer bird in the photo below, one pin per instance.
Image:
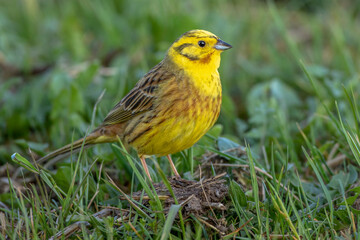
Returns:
(171, 107)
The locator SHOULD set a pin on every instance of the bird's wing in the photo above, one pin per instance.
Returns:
(140, 99)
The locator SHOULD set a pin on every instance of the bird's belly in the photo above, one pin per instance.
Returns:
(176, 128)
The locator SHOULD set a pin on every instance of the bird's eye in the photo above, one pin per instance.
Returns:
(201, 43)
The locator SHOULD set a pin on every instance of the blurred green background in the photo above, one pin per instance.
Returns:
(57, 57)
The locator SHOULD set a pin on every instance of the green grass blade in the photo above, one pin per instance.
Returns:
(323, 186)
(255, 188)
(20, 160)
(174, 209)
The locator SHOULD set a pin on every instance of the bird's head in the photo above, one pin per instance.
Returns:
(197, 48)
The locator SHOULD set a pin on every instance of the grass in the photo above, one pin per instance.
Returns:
(287, 136)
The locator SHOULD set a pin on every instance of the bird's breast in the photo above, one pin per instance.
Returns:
(184, 113)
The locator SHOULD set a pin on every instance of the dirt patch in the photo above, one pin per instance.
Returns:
(196, 197)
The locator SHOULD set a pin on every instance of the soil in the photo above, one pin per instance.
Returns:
(196, 197)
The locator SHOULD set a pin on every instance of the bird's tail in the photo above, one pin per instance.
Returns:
(75, 147)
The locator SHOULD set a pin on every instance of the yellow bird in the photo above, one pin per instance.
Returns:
(171, 107)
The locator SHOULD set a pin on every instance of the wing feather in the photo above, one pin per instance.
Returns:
(140, 99)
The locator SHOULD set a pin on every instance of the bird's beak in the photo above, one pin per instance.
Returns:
(221, 45)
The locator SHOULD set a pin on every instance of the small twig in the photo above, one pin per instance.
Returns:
(237, 230)
(187, 200)
(211, 180)
(135, 231)
(209, 225)
(68, 231)
(214, 178)
(353, 224)
(145, 197)
(104, 213)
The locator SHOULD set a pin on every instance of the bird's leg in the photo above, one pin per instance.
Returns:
(173, 166)
(143, 163)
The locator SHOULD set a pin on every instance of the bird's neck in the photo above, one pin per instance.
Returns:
(203, 73)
